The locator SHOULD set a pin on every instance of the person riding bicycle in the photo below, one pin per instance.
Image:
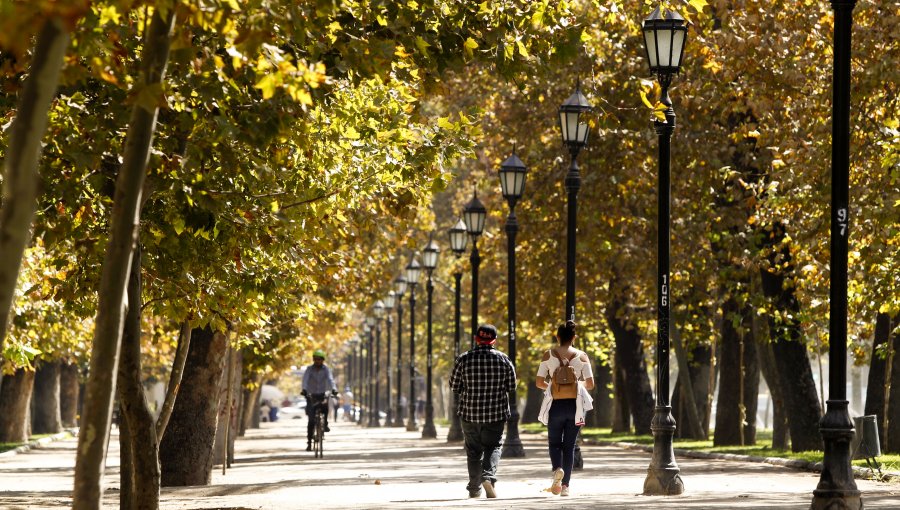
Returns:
(317, 381)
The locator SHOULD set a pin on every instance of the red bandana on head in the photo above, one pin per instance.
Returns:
(485, 338)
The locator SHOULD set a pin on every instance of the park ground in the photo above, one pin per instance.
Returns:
(393, 468)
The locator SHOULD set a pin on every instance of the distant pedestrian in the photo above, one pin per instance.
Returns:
(348, 404)
(483, 378)
(565, 376)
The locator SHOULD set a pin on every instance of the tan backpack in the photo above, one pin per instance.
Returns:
(563, 382)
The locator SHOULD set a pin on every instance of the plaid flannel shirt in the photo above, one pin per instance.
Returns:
(483, 378)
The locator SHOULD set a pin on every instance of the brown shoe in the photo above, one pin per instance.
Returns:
(489, 489)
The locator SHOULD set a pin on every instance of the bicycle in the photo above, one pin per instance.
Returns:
(320, 406)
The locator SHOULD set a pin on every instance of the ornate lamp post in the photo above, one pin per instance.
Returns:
(512, 183)
(389, 302)
(372, 323)
(378, 309)
(354, 375)
(413, 270)
(664, 36)
(429, 260)
(458, 241)
(364, 403)
(474, 215)
(836, 488)
(400, 284)
(574, 129)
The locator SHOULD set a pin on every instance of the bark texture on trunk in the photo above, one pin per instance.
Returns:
(186, 450)
(100, 388)
(630, 359)
(133, 405)
(226, 431)
(15, 398)
(533, 398)
(23, 150)
(684, 399)
(738, 377)
(69, 388)
(250, 406)
(126, 461)
(621, 415)
(780, 431)
(791, 361)
(877, 369)
(181, 353)
(45, 415)
(892, 430)
(602, 415)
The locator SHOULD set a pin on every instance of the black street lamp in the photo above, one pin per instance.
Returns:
(374, 339)
(399, 284)
(474, 215)
(353, 381)
(389, 303)
(365, 405)
(664, 36)
(512, 183)
(378, 309)
(458, 241)
(574, 128)
(413, 270)
(429, 260)
(836, 488)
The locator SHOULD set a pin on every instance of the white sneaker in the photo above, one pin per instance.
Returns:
(564, 491)
(556, 487)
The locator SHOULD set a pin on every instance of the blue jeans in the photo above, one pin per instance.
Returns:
(562, 432)
(482, 442)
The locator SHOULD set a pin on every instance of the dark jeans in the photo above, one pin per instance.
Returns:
(311, 404)
(562, 432)
(482, 441)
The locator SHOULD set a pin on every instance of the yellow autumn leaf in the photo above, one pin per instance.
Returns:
(469, 46)
(522, 49)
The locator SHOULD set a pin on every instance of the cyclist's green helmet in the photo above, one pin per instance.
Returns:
(319, 353)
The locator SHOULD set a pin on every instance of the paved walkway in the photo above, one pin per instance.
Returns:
(392, 468)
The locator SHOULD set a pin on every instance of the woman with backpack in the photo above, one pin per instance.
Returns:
(565, 376)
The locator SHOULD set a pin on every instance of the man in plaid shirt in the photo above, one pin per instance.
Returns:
(482, 379)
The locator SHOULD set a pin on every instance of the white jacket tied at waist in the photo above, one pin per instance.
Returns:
(583, 404)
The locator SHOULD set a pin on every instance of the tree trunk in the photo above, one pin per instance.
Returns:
(45, 416)
(877, 369)
(689, 418)
(126, 461)
(69, 387)
(15, 397)
(892, 397)
(186, 451)
(124, 223)
(250, 406)
(780, 430)
(621, 417)
(23, 150)
(738, 377)
(602, 415)
(533, 398)
(181, 353)
(630, 358)
(133, 405)
(228, 423)
(791, 361)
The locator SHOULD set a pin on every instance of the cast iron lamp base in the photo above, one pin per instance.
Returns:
(428, 430)
(837, 489)
(663, 478)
